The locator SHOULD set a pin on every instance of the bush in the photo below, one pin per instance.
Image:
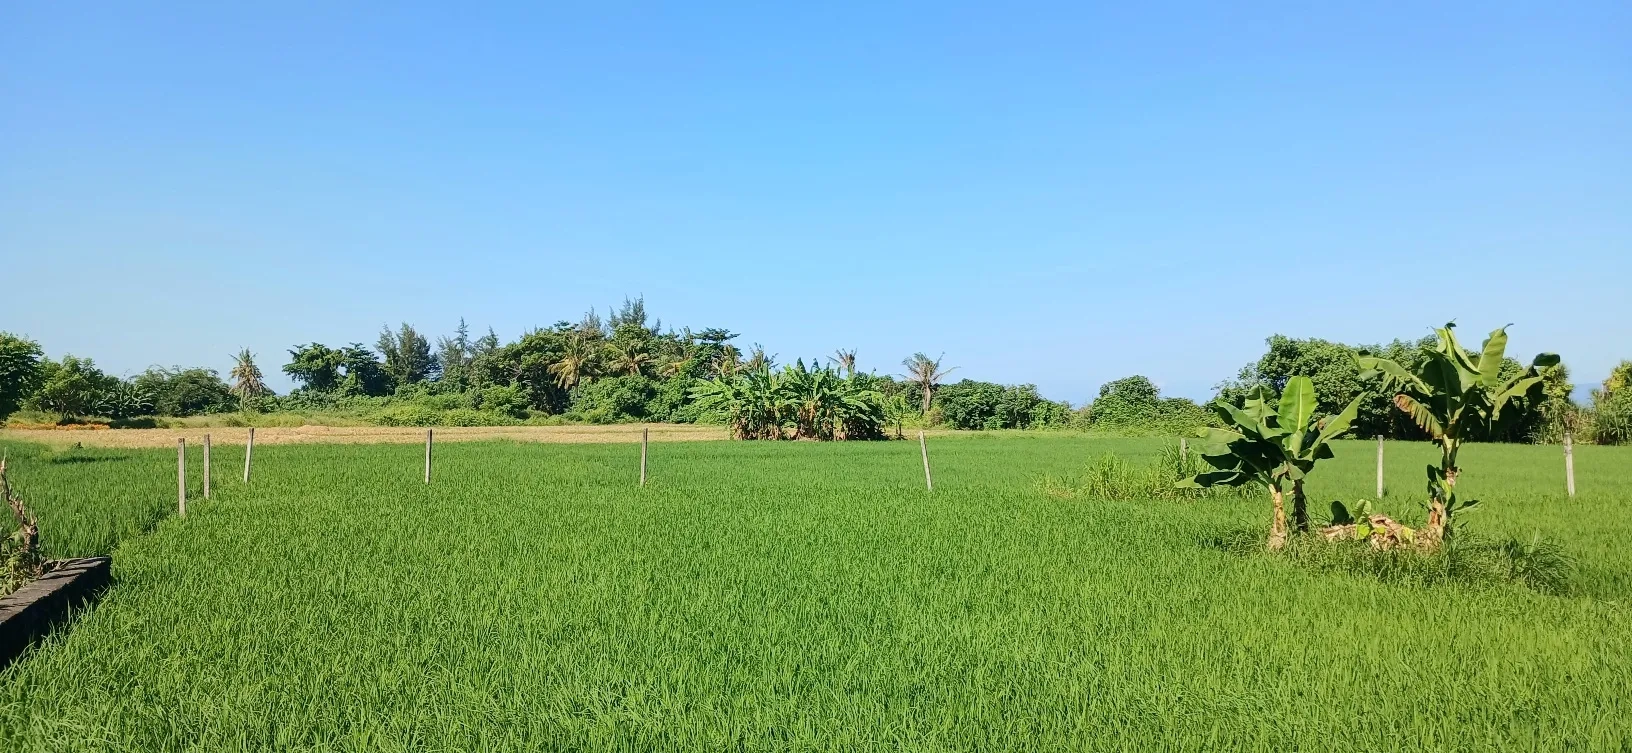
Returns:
(672, 402)
(983, 405)
(409, 415)
(1467, 559)
(506, 400)
(185, 392)
(613, 400)
(1611, 419)
(1111, 477)
(1134, 406)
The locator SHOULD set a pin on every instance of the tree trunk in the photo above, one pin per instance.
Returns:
(1435, 531)
(926, 399)
(1277, 524)
(1300, 508)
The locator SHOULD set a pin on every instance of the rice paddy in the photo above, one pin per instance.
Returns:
(796, 596)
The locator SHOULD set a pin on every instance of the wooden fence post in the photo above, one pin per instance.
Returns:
(1184, 448)
(1569, 464)
(1379, 466)
(181, 477)
(645, 436)
(428, 433)
(206, 466)
(249, 450)
(923, 447)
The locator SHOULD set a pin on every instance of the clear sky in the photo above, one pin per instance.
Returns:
(1060, 194)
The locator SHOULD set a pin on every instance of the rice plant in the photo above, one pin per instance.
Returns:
(804, 596)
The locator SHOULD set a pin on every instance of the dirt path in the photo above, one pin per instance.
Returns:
(365, 435)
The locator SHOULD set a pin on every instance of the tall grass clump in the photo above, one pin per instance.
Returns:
(1112, 477)
(1471, 560)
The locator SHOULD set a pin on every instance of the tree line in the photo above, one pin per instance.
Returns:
(626, 367)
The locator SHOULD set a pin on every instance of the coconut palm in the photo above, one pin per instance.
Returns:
(926, 373)
(576, 364)
(629, 357)
(246, 377)
(729, 361)
(757, 359)
(844, 359)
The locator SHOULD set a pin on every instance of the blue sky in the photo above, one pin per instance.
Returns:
(1060, 194)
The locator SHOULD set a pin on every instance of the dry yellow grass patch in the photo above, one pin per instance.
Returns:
(367, 435)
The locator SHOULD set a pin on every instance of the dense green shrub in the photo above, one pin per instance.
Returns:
(1134, 406)
(507, 400)
(20, 360)
(184, 392)
(612, 400)
(1611, 417)
(970, 404)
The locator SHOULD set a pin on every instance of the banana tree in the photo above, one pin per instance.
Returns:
(1449, 394)
(1274, 442)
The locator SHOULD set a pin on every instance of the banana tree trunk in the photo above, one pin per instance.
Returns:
(1439, 516)
(1300, 508)
(1277, 524)
(1438, 511)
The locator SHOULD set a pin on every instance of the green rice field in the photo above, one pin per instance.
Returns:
(799, 596)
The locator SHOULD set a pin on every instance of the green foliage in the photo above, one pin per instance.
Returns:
(72, 387)
(1113, 477)
(613, 400)
(1450, 394)
(925, 373)
(454, 356)
(408, 358)
(315, 366)
(508, 400)
(1611, 417)
(1134, 406)
(969, 404)
(1539, 414)
(1609, 421)
(126, 400)
(813, 403)
(184, 392)
(247, 383)
(1470, 561)
(533, 597)
(20, 371)
(364, 374)
(1274, 442)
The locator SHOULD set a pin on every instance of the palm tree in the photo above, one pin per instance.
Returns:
(757, 359)
(845, 359)
(926, 373)
(729, 362)
(629, 358)
(576, 364)
(246, 377)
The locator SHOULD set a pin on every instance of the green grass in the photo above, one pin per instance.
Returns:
(797, 596)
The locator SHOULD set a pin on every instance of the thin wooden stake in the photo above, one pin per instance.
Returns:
(249, 450)
(1379, 466)
(645, 436)
(923, 447)
(1184, 447)
(1569, 464)
(181, 477)
(428, 455)
(206, 466)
